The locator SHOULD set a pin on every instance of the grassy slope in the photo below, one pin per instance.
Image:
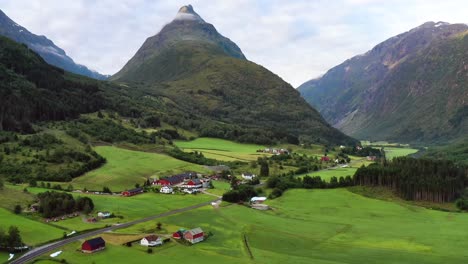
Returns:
(221, 149)
(125, 168)
(335, 226)
(32, 232)
(392, 152)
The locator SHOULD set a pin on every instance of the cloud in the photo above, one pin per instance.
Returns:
(298, 40)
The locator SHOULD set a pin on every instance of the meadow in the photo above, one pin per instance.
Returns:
(32, 232)
(392, 152)
(125, 168)
(221, 149)
(307, 226)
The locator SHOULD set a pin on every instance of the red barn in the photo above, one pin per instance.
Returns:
(93, 245)
(178, 235)
(194, 236)
(132, 192)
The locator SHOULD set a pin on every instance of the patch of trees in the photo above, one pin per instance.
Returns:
(52, 204)
(416, 179)
(362, 152)
(10, 240)
(239, 193)
(279, 184)
(198, 158)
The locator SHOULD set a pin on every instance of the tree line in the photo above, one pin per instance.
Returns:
(416, 179)
(52, 204)
(10, 240)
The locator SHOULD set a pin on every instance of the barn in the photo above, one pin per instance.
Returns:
(194, 235)
(178, 235)
(132, 192)
(93, 245)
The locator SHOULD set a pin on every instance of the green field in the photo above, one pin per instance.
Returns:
(221, 149)
(336, 172)
(392, 152)
(125, 168)
(32, 232)
(308, 226)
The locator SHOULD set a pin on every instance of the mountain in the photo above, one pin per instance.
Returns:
(412, 87)
(44, 47)
(32, 90)
(204, 73)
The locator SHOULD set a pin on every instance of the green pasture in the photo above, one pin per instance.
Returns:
(125, 168)
(308, 226)
(392, 152)
(327, 174)
(221, 149)
(32, 232)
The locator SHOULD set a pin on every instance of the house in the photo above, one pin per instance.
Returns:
(248, 176)
(194, 235)
(93, 245)
(175, 179)
(193, 184)
(166, 189)
(325, 158)
(151, 241)
(132, 192)
(371, 158)
(104, 214)
(257, 200)
(205, 183)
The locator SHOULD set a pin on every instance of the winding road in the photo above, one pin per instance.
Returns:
(36, 252)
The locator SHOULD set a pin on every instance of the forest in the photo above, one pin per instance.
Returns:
(416, 179)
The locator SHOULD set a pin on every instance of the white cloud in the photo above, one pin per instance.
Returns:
(298, 40)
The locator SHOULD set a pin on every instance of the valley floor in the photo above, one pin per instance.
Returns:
(305, 226)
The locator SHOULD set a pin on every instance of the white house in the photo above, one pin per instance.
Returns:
(248, 176)
(151, 241)
(166, 189)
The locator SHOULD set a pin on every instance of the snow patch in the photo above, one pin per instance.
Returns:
(20, 30)
(438, 24)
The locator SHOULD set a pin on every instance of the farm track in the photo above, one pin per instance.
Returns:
(36, 252)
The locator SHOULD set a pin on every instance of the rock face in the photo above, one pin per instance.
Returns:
(44, 47)
(206, 74)
(412, 87)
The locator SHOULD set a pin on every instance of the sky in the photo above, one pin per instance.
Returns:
(297, 39)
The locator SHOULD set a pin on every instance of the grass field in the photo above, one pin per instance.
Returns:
(391, 152)
(221, 149)
(31, 231)
(327, 174)
(309, 226)
(125, 168)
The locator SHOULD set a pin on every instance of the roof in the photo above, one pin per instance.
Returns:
(96, 242)
(135, 190)
(195, 231)
(196, 181)
(152, 237)
(258, 199)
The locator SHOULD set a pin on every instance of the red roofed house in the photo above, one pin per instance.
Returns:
(178, 235)
(151, 241)
(194, 235)
(93, 245)
(325, 158)
(193, 184)
(162, 182)
(132, 192)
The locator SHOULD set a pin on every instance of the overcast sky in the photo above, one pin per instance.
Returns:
(296, 39)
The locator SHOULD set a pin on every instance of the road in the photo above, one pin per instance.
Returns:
(36, 252)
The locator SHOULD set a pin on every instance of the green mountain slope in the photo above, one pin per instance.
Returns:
(32, 90)
(412, 87)
(205, 74)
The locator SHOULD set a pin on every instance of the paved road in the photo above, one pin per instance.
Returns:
(36, 252)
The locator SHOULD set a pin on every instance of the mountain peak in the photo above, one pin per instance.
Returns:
(187, 13)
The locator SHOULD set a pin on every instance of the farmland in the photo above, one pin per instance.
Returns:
(221, 149)
(349, 227)
(125, 168)
(392, 152)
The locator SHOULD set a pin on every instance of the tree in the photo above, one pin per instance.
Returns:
(106, 189)
(2, 184)
(264, 169)
(3, 238)
(14, 237)
(159, 225)
(18, 209)
(137, 185)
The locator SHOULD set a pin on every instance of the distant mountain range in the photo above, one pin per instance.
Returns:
(412, 87)
(44, 47)
(204, 73)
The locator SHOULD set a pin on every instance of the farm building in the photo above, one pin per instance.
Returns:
(132, 192)
(194, 235)
(151, 241)
(175, 179)
(325, 158)
(248, 176)
(166, 189)
(193, 184)
(179, 234)
(104, 214)
(93, 245)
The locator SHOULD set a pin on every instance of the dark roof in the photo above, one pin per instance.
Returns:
(196, 181)
(135, 190)
(96, 242)
(151, 238)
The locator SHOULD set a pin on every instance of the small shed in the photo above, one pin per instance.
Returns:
(132, 192)
(93, 245)
(195, 235)
(178, 235)
(151, 241)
